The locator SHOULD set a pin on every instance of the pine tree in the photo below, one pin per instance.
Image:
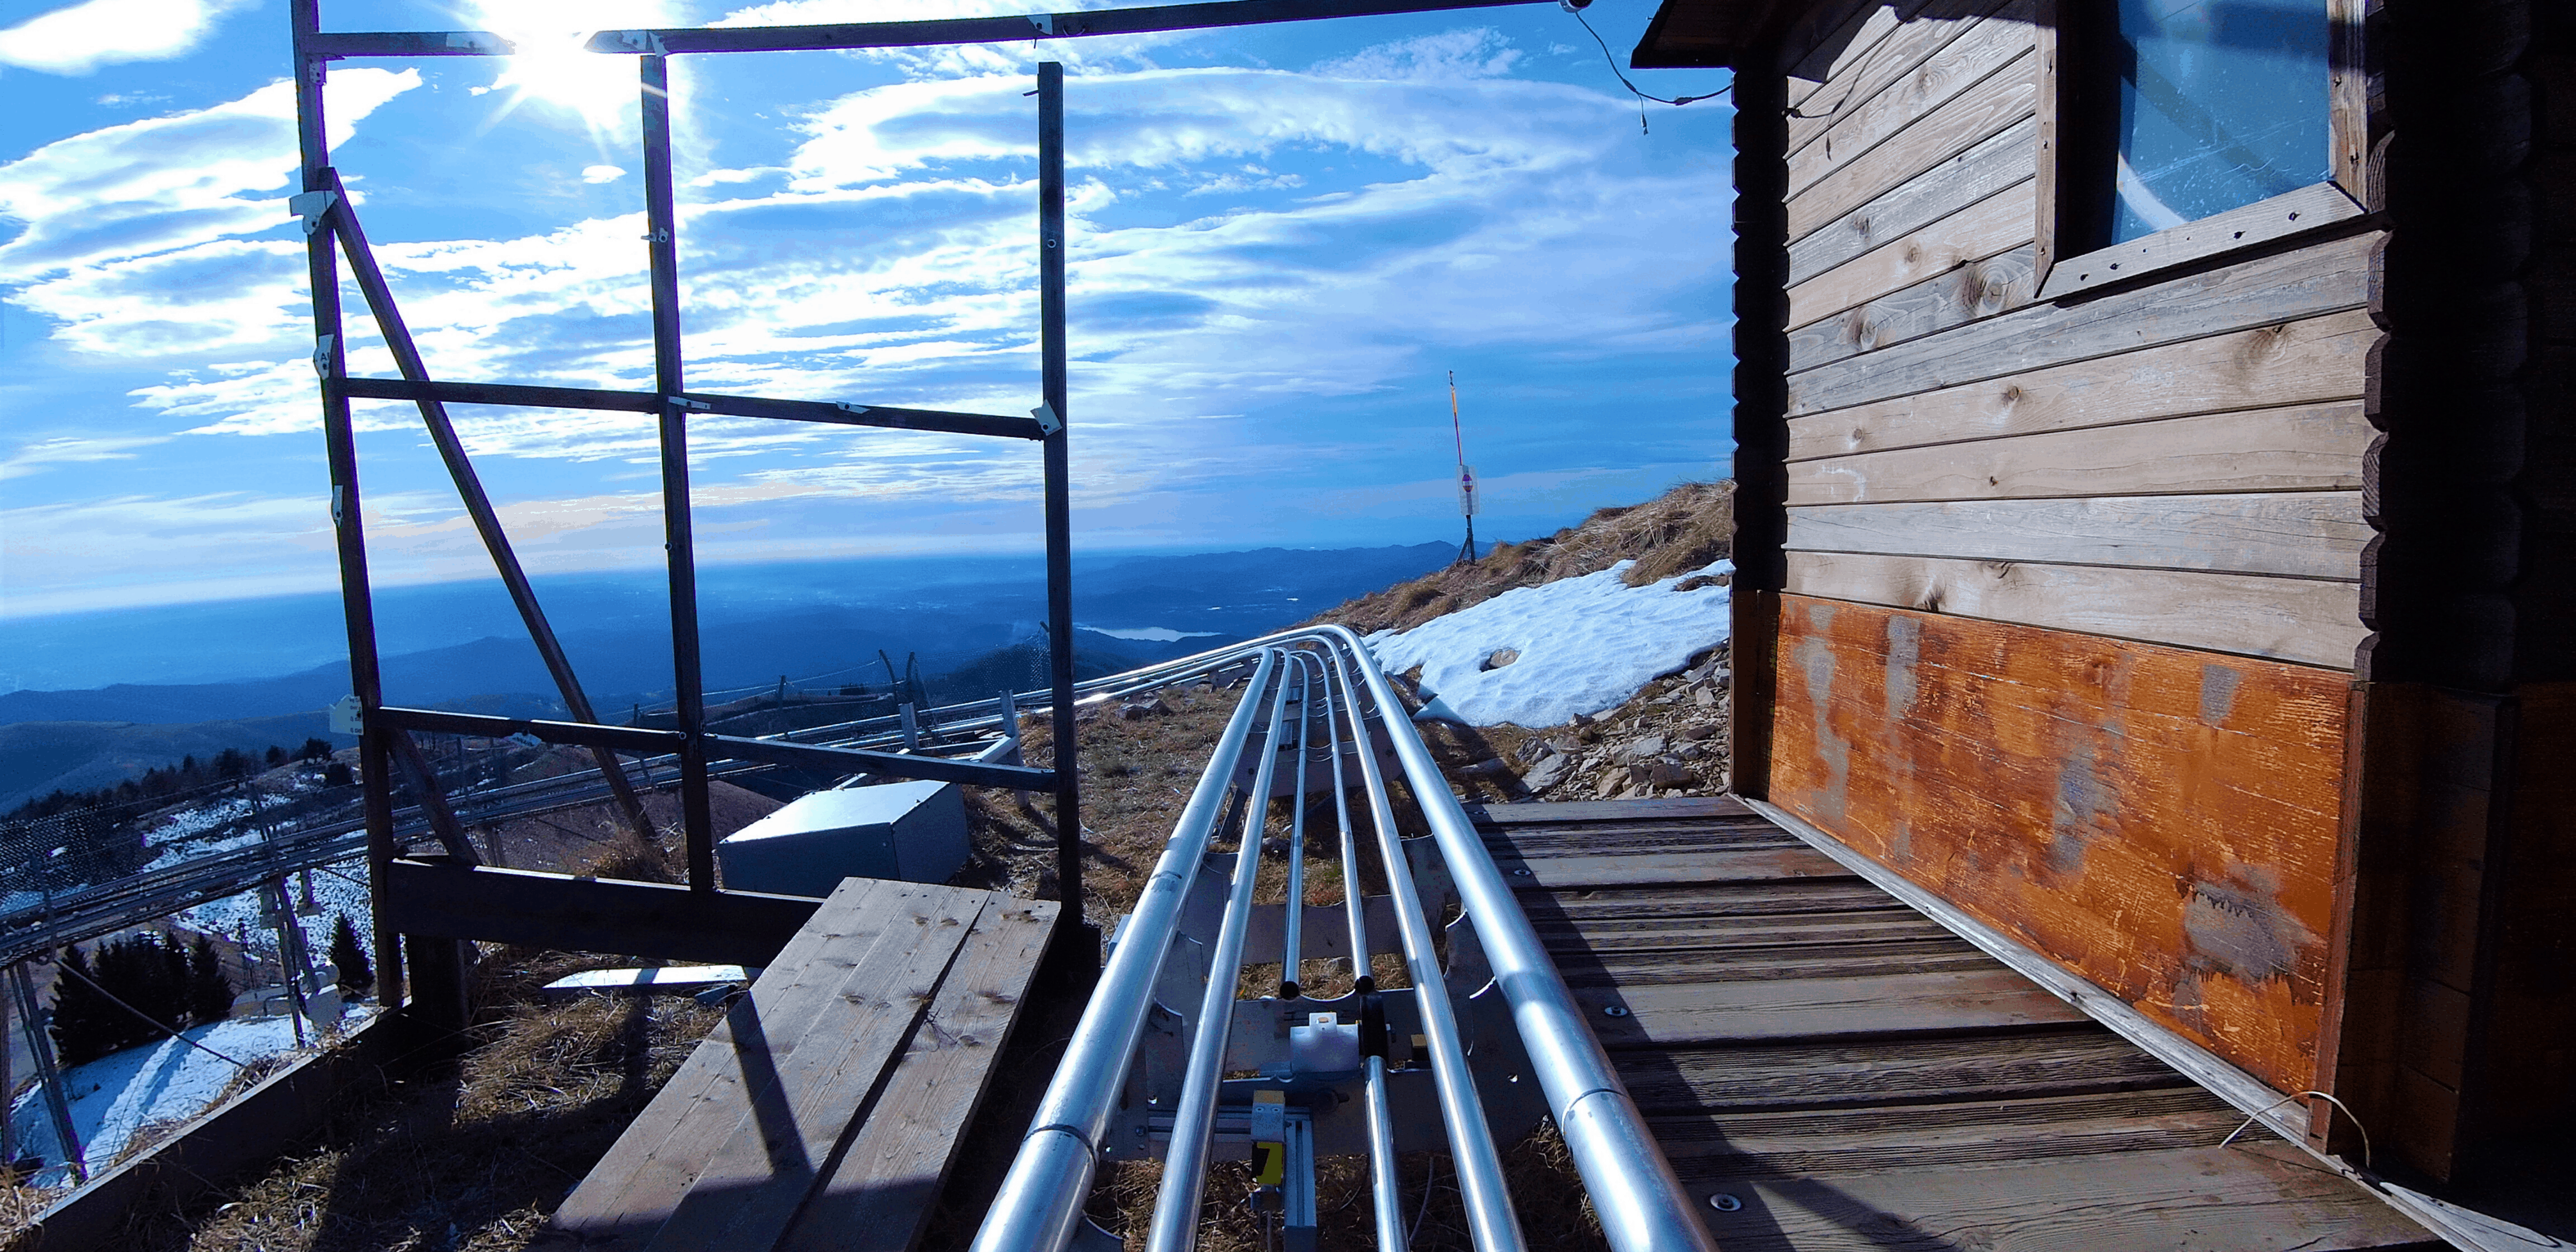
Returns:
(210, 994)
(80, 1026)
(355, 974)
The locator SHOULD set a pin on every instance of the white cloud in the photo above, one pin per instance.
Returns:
(169, 182)
(43, 454)
(82, 37)
(601, 173)
(1452, 54)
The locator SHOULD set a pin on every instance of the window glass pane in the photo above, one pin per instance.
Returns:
(2222, 103)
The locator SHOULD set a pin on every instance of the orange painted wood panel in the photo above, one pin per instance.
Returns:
(2159, 820)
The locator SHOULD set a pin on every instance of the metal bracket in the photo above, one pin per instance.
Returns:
(683, 402)
(857, 409)
(1047, 420)
(322, 345)
(658, 236)
(310, 206)
(479, 43)
(1045, 22)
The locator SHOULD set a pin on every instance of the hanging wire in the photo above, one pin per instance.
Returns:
(1642, 95)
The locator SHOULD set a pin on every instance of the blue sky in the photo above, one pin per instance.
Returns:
(1281, 237)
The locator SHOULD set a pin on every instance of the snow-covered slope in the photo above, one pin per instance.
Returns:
(1585, 645)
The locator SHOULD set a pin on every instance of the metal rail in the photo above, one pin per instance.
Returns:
(1640, 1202)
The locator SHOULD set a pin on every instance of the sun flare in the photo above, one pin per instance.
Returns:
(552, 66)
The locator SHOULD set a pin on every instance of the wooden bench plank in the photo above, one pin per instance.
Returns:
(757, 1166)
(787, 993)
(882, 1188)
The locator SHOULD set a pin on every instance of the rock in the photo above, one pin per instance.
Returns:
(1690, 752)
(1704, 730)
(1583, 719)
(1274, 846)
(1501, 658)
(1669, 774)
(1704, 698)
(1611, 782)
(1550, 771)
(1640, 749)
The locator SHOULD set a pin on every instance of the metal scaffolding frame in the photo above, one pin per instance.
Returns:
(333, 232)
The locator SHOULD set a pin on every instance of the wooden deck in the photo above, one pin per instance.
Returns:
(825, 1111)
(1855, 1076)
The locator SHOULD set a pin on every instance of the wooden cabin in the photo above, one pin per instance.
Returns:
(2157, 515)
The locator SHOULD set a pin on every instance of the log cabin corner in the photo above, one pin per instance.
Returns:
(2156, 485)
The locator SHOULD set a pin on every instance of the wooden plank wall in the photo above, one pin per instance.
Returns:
(2070, 590)
(2161, 820)
(2084, 466)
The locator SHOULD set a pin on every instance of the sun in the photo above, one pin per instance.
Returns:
(551, 67)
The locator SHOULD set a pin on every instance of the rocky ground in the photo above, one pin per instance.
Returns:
(1670, 740)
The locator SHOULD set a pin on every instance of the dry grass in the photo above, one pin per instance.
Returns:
(467, 1155)
(1683, 529)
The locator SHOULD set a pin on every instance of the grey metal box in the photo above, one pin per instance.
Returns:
(914, 831)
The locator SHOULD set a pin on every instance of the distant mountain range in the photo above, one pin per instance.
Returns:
(811, 624)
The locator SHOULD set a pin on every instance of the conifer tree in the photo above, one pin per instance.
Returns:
(210, 994)
(355, 974)
(80, 1023)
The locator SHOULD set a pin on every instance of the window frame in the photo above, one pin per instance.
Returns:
(2074, 87)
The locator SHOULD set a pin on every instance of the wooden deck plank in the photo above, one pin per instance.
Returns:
(756, 1171)
(1619, 870)
(881, 1189)
(2238, 1199)
(1720, 1081)
(1993, 998)
(1541, 812)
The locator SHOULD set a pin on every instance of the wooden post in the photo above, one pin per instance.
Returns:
(1761, 422)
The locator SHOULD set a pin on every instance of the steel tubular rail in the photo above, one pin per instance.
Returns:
(1292, 939)
(1176, 1208)
(1634, 1192)
(1490, 1219)
(1041, 1199)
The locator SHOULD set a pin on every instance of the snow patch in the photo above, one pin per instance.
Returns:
(1586, 644)
(115, 1096)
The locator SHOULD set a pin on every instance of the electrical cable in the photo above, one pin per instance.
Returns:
(1642, 95)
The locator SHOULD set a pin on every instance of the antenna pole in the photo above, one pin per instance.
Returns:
(1466, 476)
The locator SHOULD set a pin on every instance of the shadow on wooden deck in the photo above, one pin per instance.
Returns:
(1833, 1070)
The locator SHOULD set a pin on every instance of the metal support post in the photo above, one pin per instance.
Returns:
(49, 1076)
(1059, 507)
(340, 447)
(662, 225)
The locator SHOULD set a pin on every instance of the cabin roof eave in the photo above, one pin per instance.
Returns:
(1705, 34)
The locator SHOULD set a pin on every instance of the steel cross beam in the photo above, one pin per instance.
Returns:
(387, 748)
(335, 45)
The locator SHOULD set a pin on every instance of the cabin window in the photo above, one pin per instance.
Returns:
(2185, 128)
